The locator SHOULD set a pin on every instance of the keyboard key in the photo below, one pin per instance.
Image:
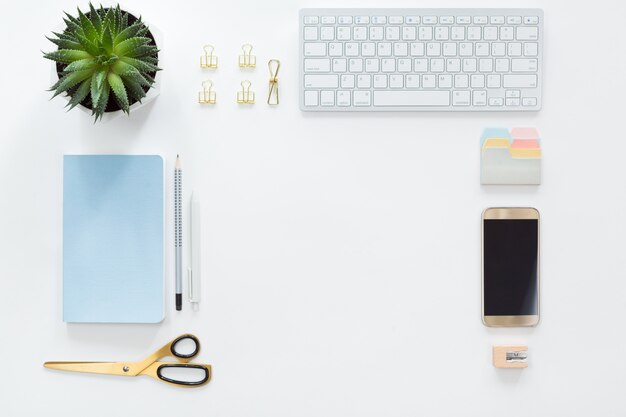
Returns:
(335, 49)
(523, 65)
(392, 33)
(496, 101)
(347, 81)
(466, 49)
(474, 33)
(485, 65)
(372, 65)
(493, 81)
(327, 33)
(512, 94)
(453, 65)
(412, 20)
(514, 20)
(420, 65)
(380, 81)
(376, 33)
(529, 101)
(379, 20)
(345, 20)
(359, 33)
(457, 33)
(429, 81)
(362, 98)
(496, 20)
(519, 81)
(314, 49)
(388, 65)
(429, 20)
(477, 81)
(425, 33)
(396, 81)
(310, 33)
(343, 33)
(437, 65)
(411, 98)
(343, 98)
(321, 81)
(502, 65)
(317, 65)
(446, 20)
(400, 49)
(530, 49)
(514, 49)
(531, 20)
(482, 49)
(396, 20)
(461, 81)
(356, 65)
(327, 98)
(449, 49)
(524, 33)
(328, 20)
(384, 49)
(352, 49)
(512, 101)
(498, 49)
(490, 33)
(479, 98)
(461, 98)
(364, 81)
(444, 81)
(418, 48)
(433, 49)
(442, 33)
(368, 49)
(340, 65)
(469, 64)
(463, 20)
(404, 65)
(412, 81)
(311, 20)
(310, 98)
(506, 33)
(409, 33)
(480, 20)
(362, 20)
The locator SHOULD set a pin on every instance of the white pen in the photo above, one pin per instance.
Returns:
(178, 232)
(194, 273)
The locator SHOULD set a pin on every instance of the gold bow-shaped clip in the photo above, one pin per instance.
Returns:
(274, 66)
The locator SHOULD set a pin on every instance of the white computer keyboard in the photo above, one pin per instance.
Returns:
(420, 59)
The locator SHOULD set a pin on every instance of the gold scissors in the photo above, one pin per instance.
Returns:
(196, 374)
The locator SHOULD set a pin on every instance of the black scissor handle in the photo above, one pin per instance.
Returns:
(179, 339)
(204, 380)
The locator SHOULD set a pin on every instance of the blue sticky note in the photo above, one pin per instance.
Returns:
(113, 231)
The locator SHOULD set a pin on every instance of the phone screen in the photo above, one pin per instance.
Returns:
(510, 276)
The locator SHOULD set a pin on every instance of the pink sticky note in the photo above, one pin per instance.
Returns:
(525, 144)
(524, 133)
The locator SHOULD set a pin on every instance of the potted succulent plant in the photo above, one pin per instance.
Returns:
(106, 60)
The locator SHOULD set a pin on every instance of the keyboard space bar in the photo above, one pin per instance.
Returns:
(411, 98)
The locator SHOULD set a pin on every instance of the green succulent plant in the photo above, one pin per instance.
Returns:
(102, 54)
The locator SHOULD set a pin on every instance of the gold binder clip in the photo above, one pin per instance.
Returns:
(245, 96)
(208, 60)
(207, 95)
(247, 60)
(272, 97)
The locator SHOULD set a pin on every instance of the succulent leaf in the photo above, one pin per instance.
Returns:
(80, 94)
(67, 56)
(117, 85)
(129, 45)
(70, 80)
(104, 50)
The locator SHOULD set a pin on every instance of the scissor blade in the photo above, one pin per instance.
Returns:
(111, 368)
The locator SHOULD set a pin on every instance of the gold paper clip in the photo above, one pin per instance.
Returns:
(207, 95)
(272, 97)
(208, 60)
(245, 96)
(247, 60)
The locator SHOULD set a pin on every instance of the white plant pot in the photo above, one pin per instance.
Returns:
(151, 94)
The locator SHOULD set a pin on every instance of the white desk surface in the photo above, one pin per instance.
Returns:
(341, 251)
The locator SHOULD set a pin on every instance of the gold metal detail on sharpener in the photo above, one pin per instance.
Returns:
(207, 95)
(246, 95)
(272, 97)
(208, 60)
(247, 60)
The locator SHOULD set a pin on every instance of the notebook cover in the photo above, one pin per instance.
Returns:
(113, 231)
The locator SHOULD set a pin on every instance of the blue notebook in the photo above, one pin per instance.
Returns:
(113, 226)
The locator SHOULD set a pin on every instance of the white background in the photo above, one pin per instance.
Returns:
(341, 251)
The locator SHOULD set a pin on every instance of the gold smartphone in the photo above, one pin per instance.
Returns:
(510, 267)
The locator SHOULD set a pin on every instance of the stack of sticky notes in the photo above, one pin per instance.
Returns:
(510, 158)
